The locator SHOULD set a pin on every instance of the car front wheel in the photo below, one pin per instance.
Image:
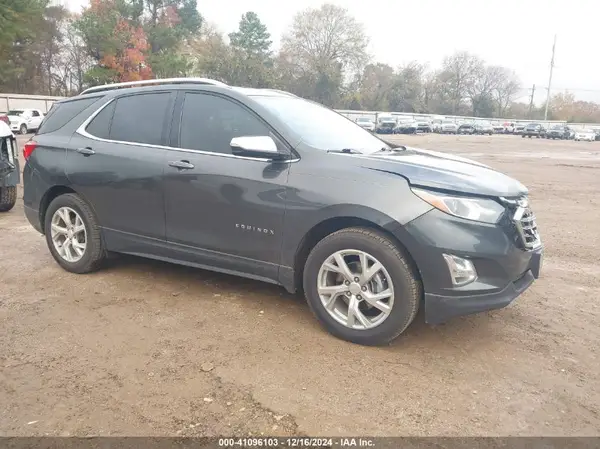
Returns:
(361, 287)
(73, 234)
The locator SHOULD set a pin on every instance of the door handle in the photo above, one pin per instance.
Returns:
(87, 151)
(182, 165)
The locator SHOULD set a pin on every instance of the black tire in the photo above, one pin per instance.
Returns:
(407, 286)
(95, 252)
(23, 129)
(8, 198)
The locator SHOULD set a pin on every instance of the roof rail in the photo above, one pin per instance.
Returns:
(105, 87)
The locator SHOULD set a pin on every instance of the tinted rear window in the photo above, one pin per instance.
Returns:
(62, 113)
(140, 118)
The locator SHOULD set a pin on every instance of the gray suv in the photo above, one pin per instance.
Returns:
(263, 184)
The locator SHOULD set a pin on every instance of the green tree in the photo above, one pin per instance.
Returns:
(250, 53)
(168, 25)
(19, 22)
(252, 36)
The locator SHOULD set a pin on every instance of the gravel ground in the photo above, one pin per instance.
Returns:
(146, 348)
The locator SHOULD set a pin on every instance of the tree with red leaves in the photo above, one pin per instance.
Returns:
(115, 42)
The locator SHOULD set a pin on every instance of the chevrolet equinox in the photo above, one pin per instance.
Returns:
(264, 184)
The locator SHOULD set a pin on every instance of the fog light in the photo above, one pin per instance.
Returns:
(462, 271)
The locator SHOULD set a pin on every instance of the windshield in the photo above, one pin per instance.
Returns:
(15, 112)
(560, 127)
(319, 126)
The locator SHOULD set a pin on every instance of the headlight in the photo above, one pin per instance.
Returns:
(478, 209)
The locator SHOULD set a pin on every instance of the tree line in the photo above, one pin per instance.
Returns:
(45, 49)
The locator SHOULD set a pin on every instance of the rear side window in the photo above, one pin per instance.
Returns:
(140, 118)
(100, 125)
(209, 122)
(62, 113)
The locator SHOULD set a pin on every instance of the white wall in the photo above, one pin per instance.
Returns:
(18, 101)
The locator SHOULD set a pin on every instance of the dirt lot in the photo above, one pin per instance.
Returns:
(146, 348)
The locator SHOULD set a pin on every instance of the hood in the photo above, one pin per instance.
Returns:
(15, 118)
(448, 172)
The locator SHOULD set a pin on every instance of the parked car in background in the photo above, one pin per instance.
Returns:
(508, 127)
(406, 125)
(597, 131)
(484, 128)
(534, 130)
(25, 120)
(559, 132)
(247, 182)
(518, 129)
(466, 128)
(498, 127)
(366, 123)
(385, 124)
(424, 126)
(436, 125)
(10, 174)
(585, 134)
(448, 127)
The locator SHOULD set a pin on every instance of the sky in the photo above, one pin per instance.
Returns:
(517, 34)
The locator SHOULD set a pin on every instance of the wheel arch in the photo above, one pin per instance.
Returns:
(330, 225)
(52, 193)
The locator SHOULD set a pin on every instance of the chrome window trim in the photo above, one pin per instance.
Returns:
(83, 132)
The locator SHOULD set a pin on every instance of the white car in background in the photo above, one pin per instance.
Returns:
(585, 134)
(366, 123)
(25, 120)
(448, 127)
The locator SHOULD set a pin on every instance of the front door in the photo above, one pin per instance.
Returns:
(117, 164)
(229, 209)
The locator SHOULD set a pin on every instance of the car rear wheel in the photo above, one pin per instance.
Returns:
(361, 287)
(23, 129)
(8, 198)
(73, 234)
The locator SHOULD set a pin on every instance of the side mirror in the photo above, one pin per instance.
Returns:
(255, 146)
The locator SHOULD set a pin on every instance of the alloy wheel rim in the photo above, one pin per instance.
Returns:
(69, 235)
(355, 289)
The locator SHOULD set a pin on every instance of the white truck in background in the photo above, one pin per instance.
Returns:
(25, 120)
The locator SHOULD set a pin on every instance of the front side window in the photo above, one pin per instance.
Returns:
(140, 118)
(209, 122)
(35, 114)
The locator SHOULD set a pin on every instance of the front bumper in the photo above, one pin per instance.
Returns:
(504, 270)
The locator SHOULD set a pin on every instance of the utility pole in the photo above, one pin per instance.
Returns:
(550, 79)
(531, 100)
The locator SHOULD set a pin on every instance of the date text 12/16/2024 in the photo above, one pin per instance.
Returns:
(295, 442)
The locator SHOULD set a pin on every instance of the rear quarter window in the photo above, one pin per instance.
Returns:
(62, 113)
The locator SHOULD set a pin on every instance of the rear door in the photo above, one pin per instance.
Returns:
(117, 160)
(228, 208)
(35, 120)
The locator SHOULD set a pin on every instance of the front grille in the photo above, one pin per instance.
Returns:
(524, 220)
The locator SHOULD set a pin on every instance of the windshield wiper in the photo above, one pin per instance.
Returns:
(345, 150)
(392, 149)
